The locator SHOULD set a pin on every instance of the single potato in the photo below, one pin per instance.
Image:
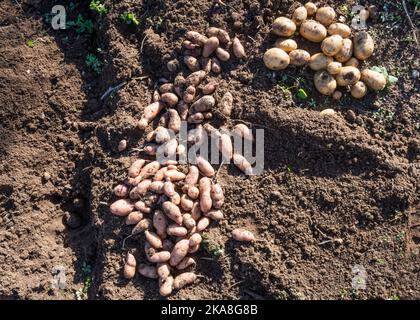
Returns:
(332, 45)
(325, 83)
(319, 61)
(299, 57)
(276, 59)
(313, 31)
(325, 15)
(363, 45)
(348, 76)
(374, 80)
(283, 27)
(346, 51)
(287, 45)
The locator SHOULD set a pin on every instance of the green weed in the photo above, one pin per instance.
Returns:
(98, 7)
(129, 18)
(81, 25)
(93, 62)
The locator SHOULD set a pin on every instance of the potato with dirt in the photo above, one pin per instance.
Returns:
(325, 83)
(363, 45)
(283, 27)
(205, 194)
(358, 90)
(332, 45)
(150, 113)
(276, 59)
(179, 252)
(122, 207)
(311, 8)
(299, 15)
(348, 76)
(334, 68)
(313, 31)
(325, 15)
(319, 61)
(340, 29)
(299, 57)
(241, 234)
(129, 266)
(238, 48)
(346, 51)
(373, 79)
(184, 279)
(287, 45)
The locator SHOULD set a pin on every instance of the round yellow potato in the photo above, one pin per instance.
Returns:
(319, 61)
(286, 45)
(325, 83)
(283, 27)
(311, 8)
(363, 45)
(374, 80)
(339, 28)
(276, 59)
(299, 15)
(346, 51)
(348, 76)
(358, 90)
(325, 15)
(313, 31)
(334, 67)
(353, 62)
(332, 45)
(299, 57)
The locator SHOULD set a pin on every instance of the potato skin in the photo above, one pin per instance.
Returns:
(348, 76)
(184, 279)
(311, 8)
(325, 83)
(353, 62)
(179, 252)
(358, 90)
(283, 27)
(374, 80)
(313, 31)
(346, 51)
(363, 45)
(287, 45)
(242, 235)
(121, 208)
(299, 15)
(319, 61)
(330, 46)
(299, 57)
(334, 67)
(276, 59)
(339, 28)
(325, 15)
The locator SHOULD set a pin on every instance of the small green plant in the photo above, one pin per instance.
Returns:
(30, 43)
(157, 23)
(302, 95)
(129, 18)
(93, 62)
(211, 247)
(82, 293)
(394, 297)
(98, 7)
(81, 25)
(282, 295)
(383, 115)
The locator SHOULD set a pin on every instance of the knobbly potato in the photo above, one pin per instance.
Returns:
(192, 63)
(205, 64)
(121, 191)
(299, 57)
(358, 90)
(226, 104)
(210, 46)
(334, 67)
(196, 211)
(175, 199)
(238, 48)
(143, 225)
(174, 175)
(353, 62)
(133, 218)
(287, 45)
(189, 94)
(153, 239)
(129, 266)
(191, 178)
(221, 34)
(174, 123)
(176, 230)
(188, 221)
(184, 279)
(283, 27)
(346, 51)
(332, 45)
(340, 29)
(179, 252)
(319, 61)
(313, 31)
(135, 168)
(299, 15)
(195, 78)
(217, 195)
(166, 286)
(149, 113)
(205, 194)
(185, 263)
(348, 76)
(337, 95)
(363, 45)
(195, 239)
(171, 99)
(311, 8)
(193, 192)
(160, 224)
(149, 169)
(196, 118)
(242, 131)
(186, 203)
(163, 270)
(159, 257)
(202, 224)
(205, 167)
(160, 174)
(147, 271)
(214, 215)
(196, 37)
(168, 188)
(242, 163)
(324, 82)
(205, 103)
(121, 207)
(142, 207)
(215, 65)
(242, 235)
(276, 59)
(374, 80)
(325, 15)
(162, 134)
(222, 54)
(172, 211)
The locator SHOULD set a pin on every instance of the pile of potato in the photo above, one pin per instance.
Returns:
(341, 53)
(170, 204)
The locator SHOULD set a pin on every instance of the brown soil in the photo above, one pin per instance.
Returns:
(353, 177)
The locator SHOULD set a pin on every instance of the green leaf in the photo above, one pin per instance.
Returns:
(30, 43)
(392, 80)
(302, 95)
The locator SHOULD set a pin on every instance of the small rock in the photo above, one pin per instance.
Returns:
(415, 74)
(46, 176)
(291, 263)
(350, 116)
(122, 145)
